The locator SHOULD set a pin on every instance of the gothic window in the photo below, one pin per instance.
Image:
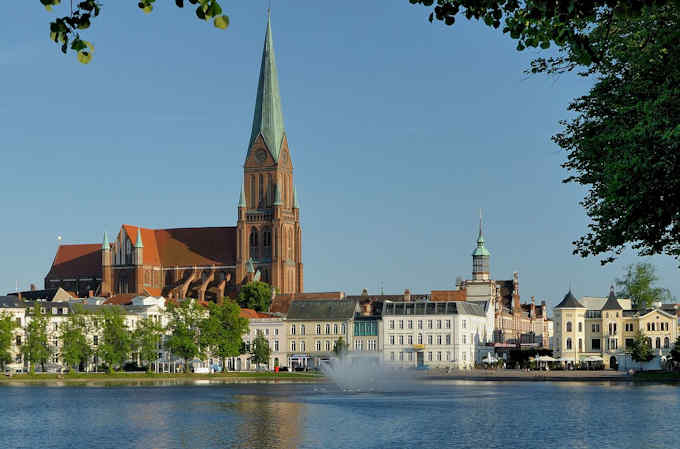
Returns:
(253, 238)
(252, 191)
(261, 190)
(290, 245)
(270, 188)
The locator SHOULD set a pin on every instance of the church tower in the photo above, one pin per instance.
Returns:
(268, 228)
(480, 257)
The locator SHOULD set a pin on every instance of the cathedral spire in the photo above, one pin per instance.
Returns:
(242, 199)
(105, 245)
(268, 117)
(139, 243)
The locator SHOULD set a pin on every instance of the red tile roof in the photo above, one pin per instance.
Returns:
(448, 295)
(74, 261)
(153, 291)
(187, 246)
(250, 313)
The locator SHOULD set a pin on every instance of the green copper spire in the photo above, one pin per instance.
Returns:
(268, 118)
(139, 243)
(105, 245)
(296, 205)
(481, 249)
(277, 196)
(242, 200)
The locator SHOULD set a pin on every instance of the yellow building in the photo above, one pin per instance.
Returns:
(604, 328)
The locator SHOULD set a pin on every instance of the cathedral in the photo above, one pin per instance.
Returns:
(213, 262)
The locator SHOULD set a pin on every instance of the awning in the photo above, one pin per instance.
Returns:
(593, 358)
(545, 358)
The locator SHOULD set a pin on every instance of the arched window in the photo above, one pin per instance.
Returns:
(666, 343)
(252, 191)
(328, 329)
(569, 343)
(318, 329)
(253, 237)
(302, 329)
(261, 191)
(658, 342)
(270, 190)
(568, 326)
(290, 244)
(335, 328)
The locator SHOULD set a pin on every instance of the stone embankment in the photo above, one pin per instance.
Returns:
(523, 375)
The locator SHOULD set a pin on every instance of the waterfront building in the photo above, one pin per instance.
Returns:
(452, 334)
(315, 326)
(208, 262)
(604, 328)
(273, 328)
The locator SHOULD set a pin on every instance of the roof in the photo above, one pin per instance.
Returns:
(569, 302)
(448, 295)
(77, 261)
(57, 294)
(481, 249)
(281, 302)
(153, 291)
(250, 313)
(319, 309)
(268, 116)
(11, 302)
(186, 246)
(435, 308)
(612, 303)
(123, 299)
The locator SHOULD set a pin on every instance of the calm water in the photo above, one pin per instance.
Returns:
(442, 414)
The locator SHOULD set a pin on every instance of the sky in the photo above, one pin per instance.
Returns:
(400, 132)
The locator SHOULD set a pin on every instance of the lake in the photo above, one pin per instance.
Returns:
(433, 414)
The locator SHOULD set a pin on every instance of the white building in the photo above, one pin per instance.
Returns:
(273, 329)
(436, 334)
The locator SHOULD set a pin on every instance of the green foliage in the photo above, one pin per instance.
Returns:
(624, 143)
(537, 23)
(255, 295)
(116, 341)
(147, 339)
(36, 349)
(340, 347)
(638, 285)
(76, 348)
(222, 329)
(184, 326)
(260, 351)
(675, 352)
(66, 29)
(641, 350)
(7, 326)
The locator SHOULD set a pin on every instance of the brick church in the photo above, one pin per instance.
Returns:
(208, 263)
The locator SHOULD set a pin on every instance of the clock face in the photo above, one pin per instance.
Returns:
(261, 155)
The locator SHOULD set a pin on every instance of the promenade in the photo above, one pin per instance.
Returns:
(522, 375)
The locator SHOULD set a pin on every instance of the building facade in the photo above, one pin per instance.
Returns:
(605, 328)
(208, 263)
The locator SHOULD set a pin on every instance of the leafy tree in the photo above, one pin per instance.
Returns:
(675, 352)
(76, 348)
(641, 350)
(7, 326)
(184, 326)
(36, 349)
(340, 347)
(116, 339)
(638, 285)
(255, 295)
(222, 330)
(624, 142)
(146, 339)
(66, 29)
(260, 351)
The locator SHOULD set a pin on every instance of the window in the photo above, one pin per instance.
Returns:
(292, 346)
(420, 324)
(335, 328)
(649, 326)
(448, 339)
(302, 329)
(328, 345)
(429, 324)
(318, 329)
(420, 339)
(613, 344)
(629, 327)
(391, 339)
(56, 326)
(18, 322)
(439, 324)
(595, 328)
(464, 339)
(18, 340)
(439, 356)
(464, 324)
(292, 329)
(392, 356)
(410, 324)
(95, 340)
(302, 346)
(410, 339)
(595, 344)
(580, 327)
(401, 339)
(629, 343)
(447, 324)
(568, 326)
(666, 343)
(568, 344)
(580, 345)
(318, 344)
(401, 324)
(429, 339)
(253, 238)
(429, 356)
(344, 328)
(658, 342)
(391, 324)
(401, 356)
(276, 331)
(439, 339)
(410, 356)
(276, 346)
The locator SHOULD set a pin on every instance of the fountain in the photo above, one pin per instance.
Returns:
(366, 372)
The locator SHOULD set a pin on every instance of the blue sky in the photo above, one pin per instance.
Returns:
(400, 131)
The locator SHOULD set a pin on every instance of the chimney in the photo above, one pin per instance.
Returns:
(407, 295)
